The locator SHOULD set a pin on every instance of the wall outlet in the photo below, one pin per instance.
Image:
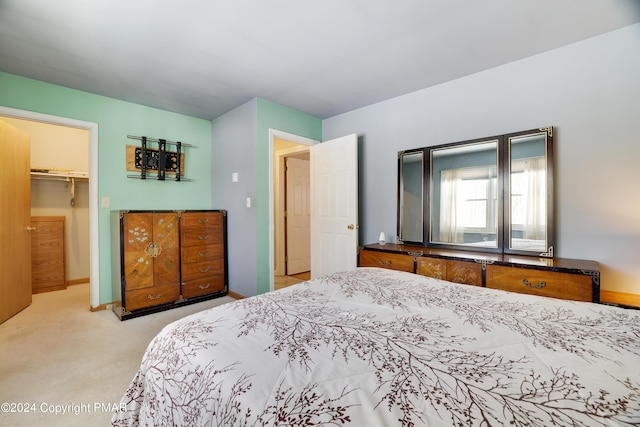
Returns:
(106, 202)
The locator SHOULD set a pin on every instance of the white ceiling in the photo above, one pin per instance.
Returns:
(322, 57)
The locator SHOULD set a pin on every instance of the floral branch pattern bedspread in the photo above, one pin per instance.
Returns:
(375, 347)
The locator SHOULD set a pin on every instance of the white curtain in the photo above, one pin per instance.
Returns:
(450, 230)
(534, 199)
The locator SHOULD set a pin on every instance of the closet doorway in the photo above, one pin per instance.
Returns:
(291, 213)
(61, 154)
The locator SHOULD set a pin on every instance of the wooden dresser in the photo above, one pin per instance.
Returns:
(47, 254)
(166, 259)
(552, 277)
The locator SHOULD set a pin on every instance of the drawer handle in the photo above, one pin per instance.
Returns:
(204, 286)
(204, 270)
(205, 253)
(203, 220)
(205, 237)
(384, 264)
(529, 285)
(151, 297)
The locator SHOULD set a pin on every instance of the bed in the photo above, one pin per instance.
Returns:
(377, 347)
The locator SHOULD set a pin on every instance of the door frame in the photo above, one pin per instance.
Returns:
(94, 246)
(274, 133)
(279, 194)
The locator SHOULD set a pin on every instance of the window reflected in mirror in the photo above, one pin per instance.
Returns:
(528, 193)
(465, 195)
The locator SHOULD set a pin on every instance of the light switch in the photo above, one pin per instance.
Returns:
(106, 202)
(248, 202)
(234, 177)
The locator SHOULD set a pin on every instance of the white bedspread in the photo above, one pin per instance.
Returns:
(375, 347)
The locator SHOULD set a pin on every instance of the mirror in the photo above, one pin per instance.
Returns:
(530, 201)
(493, 194)
(464, 199)
(411, 196)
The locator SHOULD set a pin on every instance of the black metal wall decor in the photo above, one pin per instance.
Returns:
(156, 160)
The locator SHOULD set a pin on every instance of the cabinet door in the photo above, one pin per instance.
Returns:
(138, 262)
(151, 255)
(431, 267)
(166, 262)
(465, 272)
(569, 286)
(388, 260)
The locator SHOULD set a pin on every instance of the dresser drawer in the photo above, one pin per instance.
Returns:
(202, 253)
(431, 267)
(391, 261)
(149, 297)
(197, 270)
(201, 228)
(545, 283)
(467, 273)
(202, 220)
(203, 286)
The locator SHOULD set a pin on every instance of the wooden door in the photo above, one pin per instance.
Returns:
(15, 220)
(298, 216)
(334, 206)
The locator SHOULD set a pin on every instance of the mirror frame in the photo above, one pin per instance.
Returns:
(499, 191)
(503, 230)
(549, 196)
(400, 203)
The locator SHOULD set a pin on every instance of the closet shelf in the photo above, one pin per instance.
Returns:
(60, 175)
(68, 176)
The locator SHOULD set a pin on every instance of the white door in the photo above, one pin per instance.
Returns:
(334, 206)
(298, 216)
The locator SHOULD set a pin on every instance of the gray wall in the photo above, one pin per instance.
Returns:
(590, 92)
(234, 150)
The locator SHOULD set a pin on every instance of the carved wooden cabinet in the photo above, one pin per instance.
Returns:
(164, 259)
(552, 277)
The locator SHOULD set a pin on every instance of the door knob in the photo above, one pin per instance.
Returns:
(351, 226)
(30, 229)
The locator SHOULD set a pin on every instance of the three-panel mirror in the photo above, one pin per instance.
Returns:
(492, 194)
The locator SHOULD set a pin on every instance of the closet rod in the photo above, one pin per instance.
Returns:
(157, 140)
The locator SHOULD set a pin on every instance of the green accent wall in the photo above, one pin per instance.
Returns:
(117, 119)
(274, 116)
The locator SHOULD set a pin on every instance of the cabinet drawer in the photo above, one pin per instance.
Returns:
(386, 260)
(467, 273)
(545, 283)
(149, 297)
(431, 267)
(201, 236)
(201, 228)
(203, 286)
(202, 220)
(202, 253)
(197, 270)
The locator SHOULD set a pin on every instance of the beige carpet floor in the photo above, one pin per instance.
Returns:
(57, 355)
